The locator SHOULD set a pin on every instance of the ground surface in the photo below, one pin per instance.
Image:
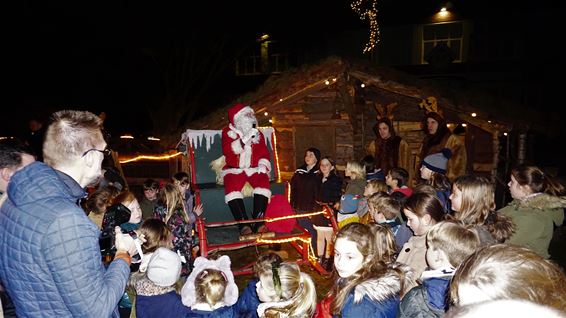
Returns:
(241, 257)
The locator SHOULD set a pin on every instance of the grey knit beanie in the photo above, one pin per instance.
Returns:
(438, 162)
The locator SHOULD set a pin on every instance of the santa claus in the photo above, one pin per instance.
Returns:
(247, 160)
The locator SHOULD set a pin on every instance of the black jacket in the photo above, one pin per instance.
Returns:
(304, 189)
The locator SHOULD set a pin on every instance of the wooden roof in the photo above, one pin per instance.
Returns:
(296, 84)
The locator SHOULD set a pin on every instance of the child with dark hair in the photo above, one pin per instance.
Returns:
(423, 211)
(305, 186)
(537, 207)
(124, 212)
(182, 181)
(97, 202)
(329, 195)
(156, 235)
(149, 200)
(397, 179)
(372, 173)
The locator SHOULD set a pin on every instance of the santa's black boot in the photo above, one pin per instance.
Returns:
(238, 210)
(260, 205)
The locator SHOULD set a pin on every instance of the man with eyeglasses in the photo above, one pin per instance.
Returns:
(50, 261)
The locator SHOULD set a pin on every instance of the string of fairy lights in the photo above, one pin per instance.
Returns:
(311, 255)
(367, 11)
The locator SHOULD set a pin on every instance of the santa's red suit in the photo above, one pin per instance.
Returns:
(246, 154)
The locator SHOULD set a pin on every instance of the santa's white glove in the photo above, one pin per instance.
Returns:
(251, 135)
(124, 242)
(262, 169)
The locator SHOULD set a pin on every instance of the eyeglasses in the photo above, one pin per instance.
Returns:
(105, 152)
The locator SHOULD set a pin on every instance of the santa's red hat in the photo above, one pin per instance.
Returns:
(237, 110)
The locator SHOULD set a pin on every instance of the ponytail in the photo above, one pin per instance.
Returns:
(537, 180)
(552, 186)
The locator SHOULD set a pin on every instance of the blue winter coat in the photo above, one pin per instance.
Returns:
(428, 300)
(167, 305)
(368, 308)
(222, 312)
(50, 260)
(378, 297)
(246, 306)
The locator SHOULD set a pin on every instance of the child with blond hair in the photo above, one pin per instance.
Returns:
(448, 244)
(506, 271)
(387, 211)
(248, 302)
(286, 292)
(210, 290)
(357, 174)
(473, 201)
(372, 186)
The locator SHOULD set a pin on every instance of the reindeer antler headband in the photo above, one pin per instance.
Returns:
(384, 111)
(430, 105)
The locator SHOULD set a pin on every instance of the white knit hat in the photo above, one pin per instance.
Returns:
(164, 267)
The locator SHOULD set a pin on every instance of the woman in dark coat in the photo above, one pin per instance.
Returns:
(329, 194)
(304, 189)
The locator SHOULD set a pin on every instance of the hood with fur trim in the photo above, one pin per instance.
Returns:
(540, 201)
(381, 288)
(188, 293)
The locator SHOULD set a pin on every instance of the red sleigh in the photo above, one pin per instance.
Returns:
(205, 146)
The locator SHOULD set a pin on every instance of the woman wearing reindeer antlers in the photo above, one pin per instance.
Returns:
(391, 151)
(438, 137)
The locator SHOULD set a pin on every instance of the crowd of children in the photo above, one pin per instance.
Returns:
(397, 251)
(437, 249)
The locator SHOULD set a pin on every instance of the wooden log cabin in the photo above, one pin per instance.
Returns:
(331, 106)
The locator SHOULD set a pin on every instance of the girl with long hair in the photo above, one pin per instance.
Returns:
(367, 284)
(171, 209)
(473, 200)
(538, 206)
(286, 292)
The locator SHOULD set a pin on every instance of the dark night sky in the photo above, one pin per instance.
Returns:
(88, 55)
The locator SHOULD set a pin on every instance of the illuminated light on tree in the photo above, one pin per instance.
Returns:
(367, 10)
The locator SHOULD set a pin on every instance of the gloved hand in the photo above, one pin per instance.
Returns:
(251, 135)
(124, 242)
(262, 169)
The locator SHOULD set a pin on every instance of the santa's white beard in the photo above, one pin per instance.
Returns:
(245, 124)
